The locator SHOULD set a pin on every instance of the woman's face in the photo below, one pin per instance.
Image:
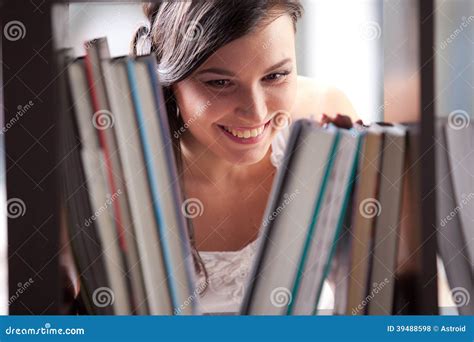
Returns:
(227, 104)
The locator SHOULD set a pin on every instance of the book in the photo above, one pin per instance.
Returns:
(460, 144)
(153, 295)
(366, 209)
(387, 223)
(79, 193)
(295, 196)
(340, 266)
(102, 121)
(326, 226)
(452, 246)
(163, 180)
(98, 51)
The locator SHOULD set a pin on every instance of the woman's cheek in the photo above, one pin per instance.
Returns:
(282, 97)
(210, 111)
(194, 103)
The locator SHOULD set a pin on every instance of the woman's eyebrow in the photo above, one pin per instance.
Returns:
(225, 72)
(277, 65)
(216, 71)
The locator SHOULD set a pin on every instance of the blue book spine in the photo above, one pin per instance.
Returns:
(172, 171)
(151, 174)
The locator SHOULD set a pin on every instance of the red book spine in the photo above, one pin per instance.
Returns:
(103, 142)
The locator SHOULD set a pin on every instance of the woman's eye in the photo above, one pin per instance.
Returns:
(218, 83)
(276, 76)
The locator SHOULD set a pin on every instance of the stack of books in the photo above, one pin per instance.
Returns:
(337, 189)
(336, 215)
(122, 202)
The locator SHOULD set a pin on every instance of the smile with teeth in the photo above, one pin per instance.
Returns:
(245, 133)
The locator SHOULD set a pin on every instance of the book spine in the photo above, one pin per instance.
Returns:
(314, 220)
(162, 229)
(89, 63)
(186, 254)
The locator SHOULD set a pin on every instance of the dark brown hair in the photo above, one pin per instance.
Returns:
(183, 34)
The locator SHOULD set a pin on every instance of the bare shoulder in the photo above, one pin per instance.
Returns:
(314, 99)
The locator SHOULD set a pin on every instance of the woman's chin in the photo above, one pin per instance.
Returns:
(244, 158)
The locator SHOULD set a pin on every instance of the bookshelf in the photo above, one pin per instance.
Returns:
(427, 288)
(30, 73)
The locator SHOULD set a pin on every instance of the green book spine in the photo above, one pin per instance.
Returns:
(314, 220)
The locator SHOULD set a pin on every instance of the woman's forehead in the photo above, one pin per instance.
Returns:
(261, 48)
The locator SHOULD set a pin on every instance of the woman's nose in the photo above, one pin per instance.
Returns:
(252, 104)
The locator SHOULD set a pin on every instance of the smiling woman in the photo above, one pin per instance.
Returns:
(237, 61)
(247, 85)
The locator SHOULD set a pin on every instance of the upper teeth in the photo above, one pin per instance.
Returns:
(246, 133)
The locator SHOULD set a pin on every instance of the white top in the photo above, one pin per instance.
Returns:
(228, 271)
